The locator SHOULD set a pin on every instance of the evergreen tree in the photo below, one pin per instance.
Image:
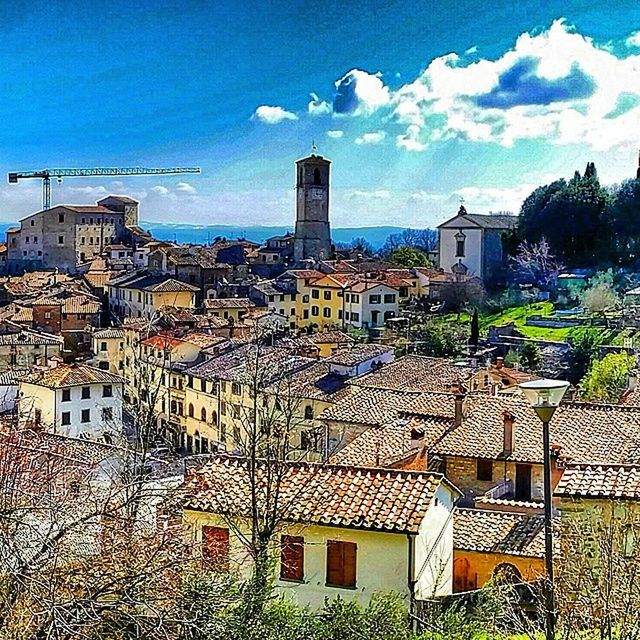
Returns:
(474, 335)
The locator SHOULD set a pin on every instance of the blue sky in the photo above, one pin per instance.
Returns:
(417, 104)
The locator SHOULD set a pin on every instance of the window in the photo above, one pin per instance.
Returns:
(27, 240)
(327, 295)
(66, 395)
(484, 470)
(33, 223)
(308, 412)
(190, 410)
(203, 414)
(235, 388)
(389, 298)
(215, 547)
(107, 391)
(66, 418)
(355, 317)
(107, 414)
(316, 176)
(203, 385)
(86, 393)
(355, 297)
(292, 558)
(38, 416)
(104, 365)
(326, 312)
(315, 311)
(341, 564)
(305, 314)
(61, 217)
(315, 294)
(86, 415)
(60, 239)
(305, 298)
(103, 346)
(460, 239)
(374, 299)
(82, 240)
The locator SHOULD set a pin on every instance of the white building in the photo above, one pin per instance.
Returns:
(72, 400)
(369, 303)
(472, 244)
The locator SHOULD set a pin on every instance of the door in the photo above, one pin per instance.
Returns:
(374, 317)
(523, 482)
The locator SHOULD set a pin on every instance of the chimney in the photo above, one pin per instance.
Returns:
(499, 362)
(508, 432)
(458, 403)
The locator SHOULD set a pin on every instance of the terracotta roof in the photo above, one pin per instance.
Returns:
(228, 303)
(81, 304)
(606, 481)
(328, 337)
(418, 373)
(111, 332)
(488, 531)
(147, 282)
(584, 433)
(369, 406)
(359, 353)
(169, 285)
(98, 279)
(86, 208)
(71, 375)
(341, 496)
(30, 338)
(376, 446)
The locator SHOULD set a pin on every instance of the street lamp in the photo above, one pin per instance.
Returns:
(544, 396)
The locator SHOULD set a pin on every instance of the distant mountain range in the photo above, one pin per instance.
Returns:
(202, 234)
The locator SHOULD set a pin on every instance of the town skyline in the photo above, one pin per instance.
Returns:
(409, 131)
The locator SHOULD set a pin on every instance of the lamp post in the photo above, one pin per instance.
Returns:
(544, 396)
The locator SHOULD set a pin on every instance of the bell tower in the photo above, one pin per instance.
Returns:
(313, 234)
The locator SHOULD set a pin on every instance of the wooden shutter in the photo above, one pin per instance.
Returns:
(292, 558)
(341, 563)
(215, 547)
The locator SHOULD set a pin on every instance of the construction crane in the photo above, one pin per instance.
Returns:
(46, 174)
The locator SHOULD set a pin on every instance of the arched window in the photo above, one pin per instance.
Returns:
(190, 410)
(214, 417)
(308, 412)
(507, 573)
(203, 414)
(316, 176)
(196, 436)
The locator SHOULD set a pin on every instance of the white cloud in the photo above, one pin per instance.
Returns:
(557, 85)
(317, 107)
(361, 194)
(360, 93)
(471, 50)
(335, 133)
(373, 137)
(185, 187)
(273, 115)
(159, 189)
(633, 40)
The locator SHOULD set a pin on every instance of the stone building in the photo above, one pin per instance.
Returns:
(313, 235)
(66, 236)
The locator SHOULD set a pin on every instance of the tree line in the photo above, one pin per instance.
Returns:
(585, 223)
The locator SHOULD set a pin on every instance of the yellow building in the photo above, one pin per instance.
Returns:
(140, 295)
(108, 347)
(228, 308)
(340, 532)
(489, 543)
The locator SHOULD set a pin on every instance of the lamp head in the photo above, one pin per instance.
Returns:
(544, 395)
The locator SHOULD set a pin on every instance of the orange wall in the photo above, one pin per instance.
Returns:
(479, 568)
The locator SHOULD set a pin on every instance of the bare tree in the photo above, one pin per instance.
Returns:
(535, 263)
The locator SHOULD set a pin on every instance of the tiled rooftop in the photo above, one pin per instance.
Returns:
(500, 532)
(607, 481)
(418, 373)
(70, 375)
(374, 499)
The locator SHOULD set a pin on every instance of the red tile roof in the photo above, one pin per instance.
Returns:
(341, 496)
(70, 375)
(606, 481)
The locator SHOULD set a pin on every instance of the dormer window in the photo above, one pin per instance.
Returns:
(460, 240)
